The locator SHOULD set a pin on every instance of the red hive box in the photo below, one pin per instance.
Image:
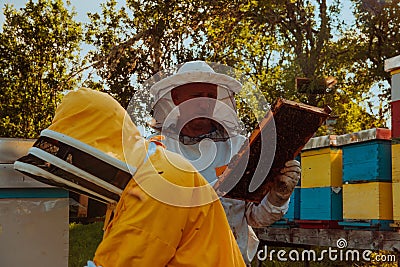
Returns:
(395, 119)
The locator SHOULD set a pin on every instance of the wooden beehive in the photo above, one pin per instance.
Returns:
(321, 167)
(321, 203)
(249, 173)
(33, 215)
(396, 200)
(368, 201)
(367, 161)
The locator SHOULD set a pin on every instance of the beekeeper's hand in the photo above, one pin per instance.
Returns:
(284, 183)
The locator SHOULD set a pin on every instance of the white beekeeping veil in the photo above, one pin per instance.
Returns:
(165, 112)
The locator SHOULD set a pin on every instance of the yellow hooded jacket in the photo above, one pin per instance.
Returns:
(161, 218)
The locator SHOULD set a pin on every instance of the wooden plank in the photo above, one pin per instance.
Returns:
(13, 148)
(83, 208)
(10, 178)
(392, 63)
(293, 124)
(377, 196)
(318, 224)
(364, 136)
(356, 239)
(320, 142)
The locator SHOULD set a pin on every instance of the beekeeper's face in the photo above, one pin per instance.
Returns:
(197, 112)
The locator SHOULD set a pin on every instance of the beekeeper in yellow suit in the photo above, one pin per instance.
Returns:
(167, 215)
(195, 110)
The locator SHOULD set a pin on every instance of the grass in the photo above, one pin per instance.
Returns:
(83, 241)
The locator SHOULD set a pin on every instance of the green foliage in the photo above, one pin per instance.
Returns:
(38, 51)
(137, 41)
(83, 241)
(377, 39)
(270, 42)
(273, 42)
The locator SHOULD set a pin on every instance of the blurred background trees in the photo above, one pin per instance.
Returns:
(270, 42)
(39, 47)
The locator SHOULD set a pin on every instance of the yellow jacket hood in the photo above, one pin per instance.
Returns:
(98, 120)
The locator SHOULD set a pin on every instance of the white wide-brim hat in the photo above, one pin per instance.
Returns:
(194, 72)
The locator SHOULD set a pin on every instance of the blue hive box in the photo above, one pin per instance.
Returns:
(293, 212)
(294, 206)
(367, 162)
(321, 203)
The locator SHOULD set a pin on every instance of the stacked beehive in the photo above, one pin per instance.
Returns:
(33, 216)
(367, 179)
(396, 182)
(321, 184)
(392, 65)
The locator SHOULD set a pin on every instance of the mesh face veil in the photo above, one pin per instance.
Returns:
(166, 113)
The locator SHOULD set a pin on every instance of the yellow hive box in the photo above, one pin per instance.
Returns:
(396, 201)
(321, 168)
(368, 201)
(396, 163)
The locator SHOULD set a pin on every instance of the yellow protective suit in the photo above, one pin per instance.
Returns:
(161, 219)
